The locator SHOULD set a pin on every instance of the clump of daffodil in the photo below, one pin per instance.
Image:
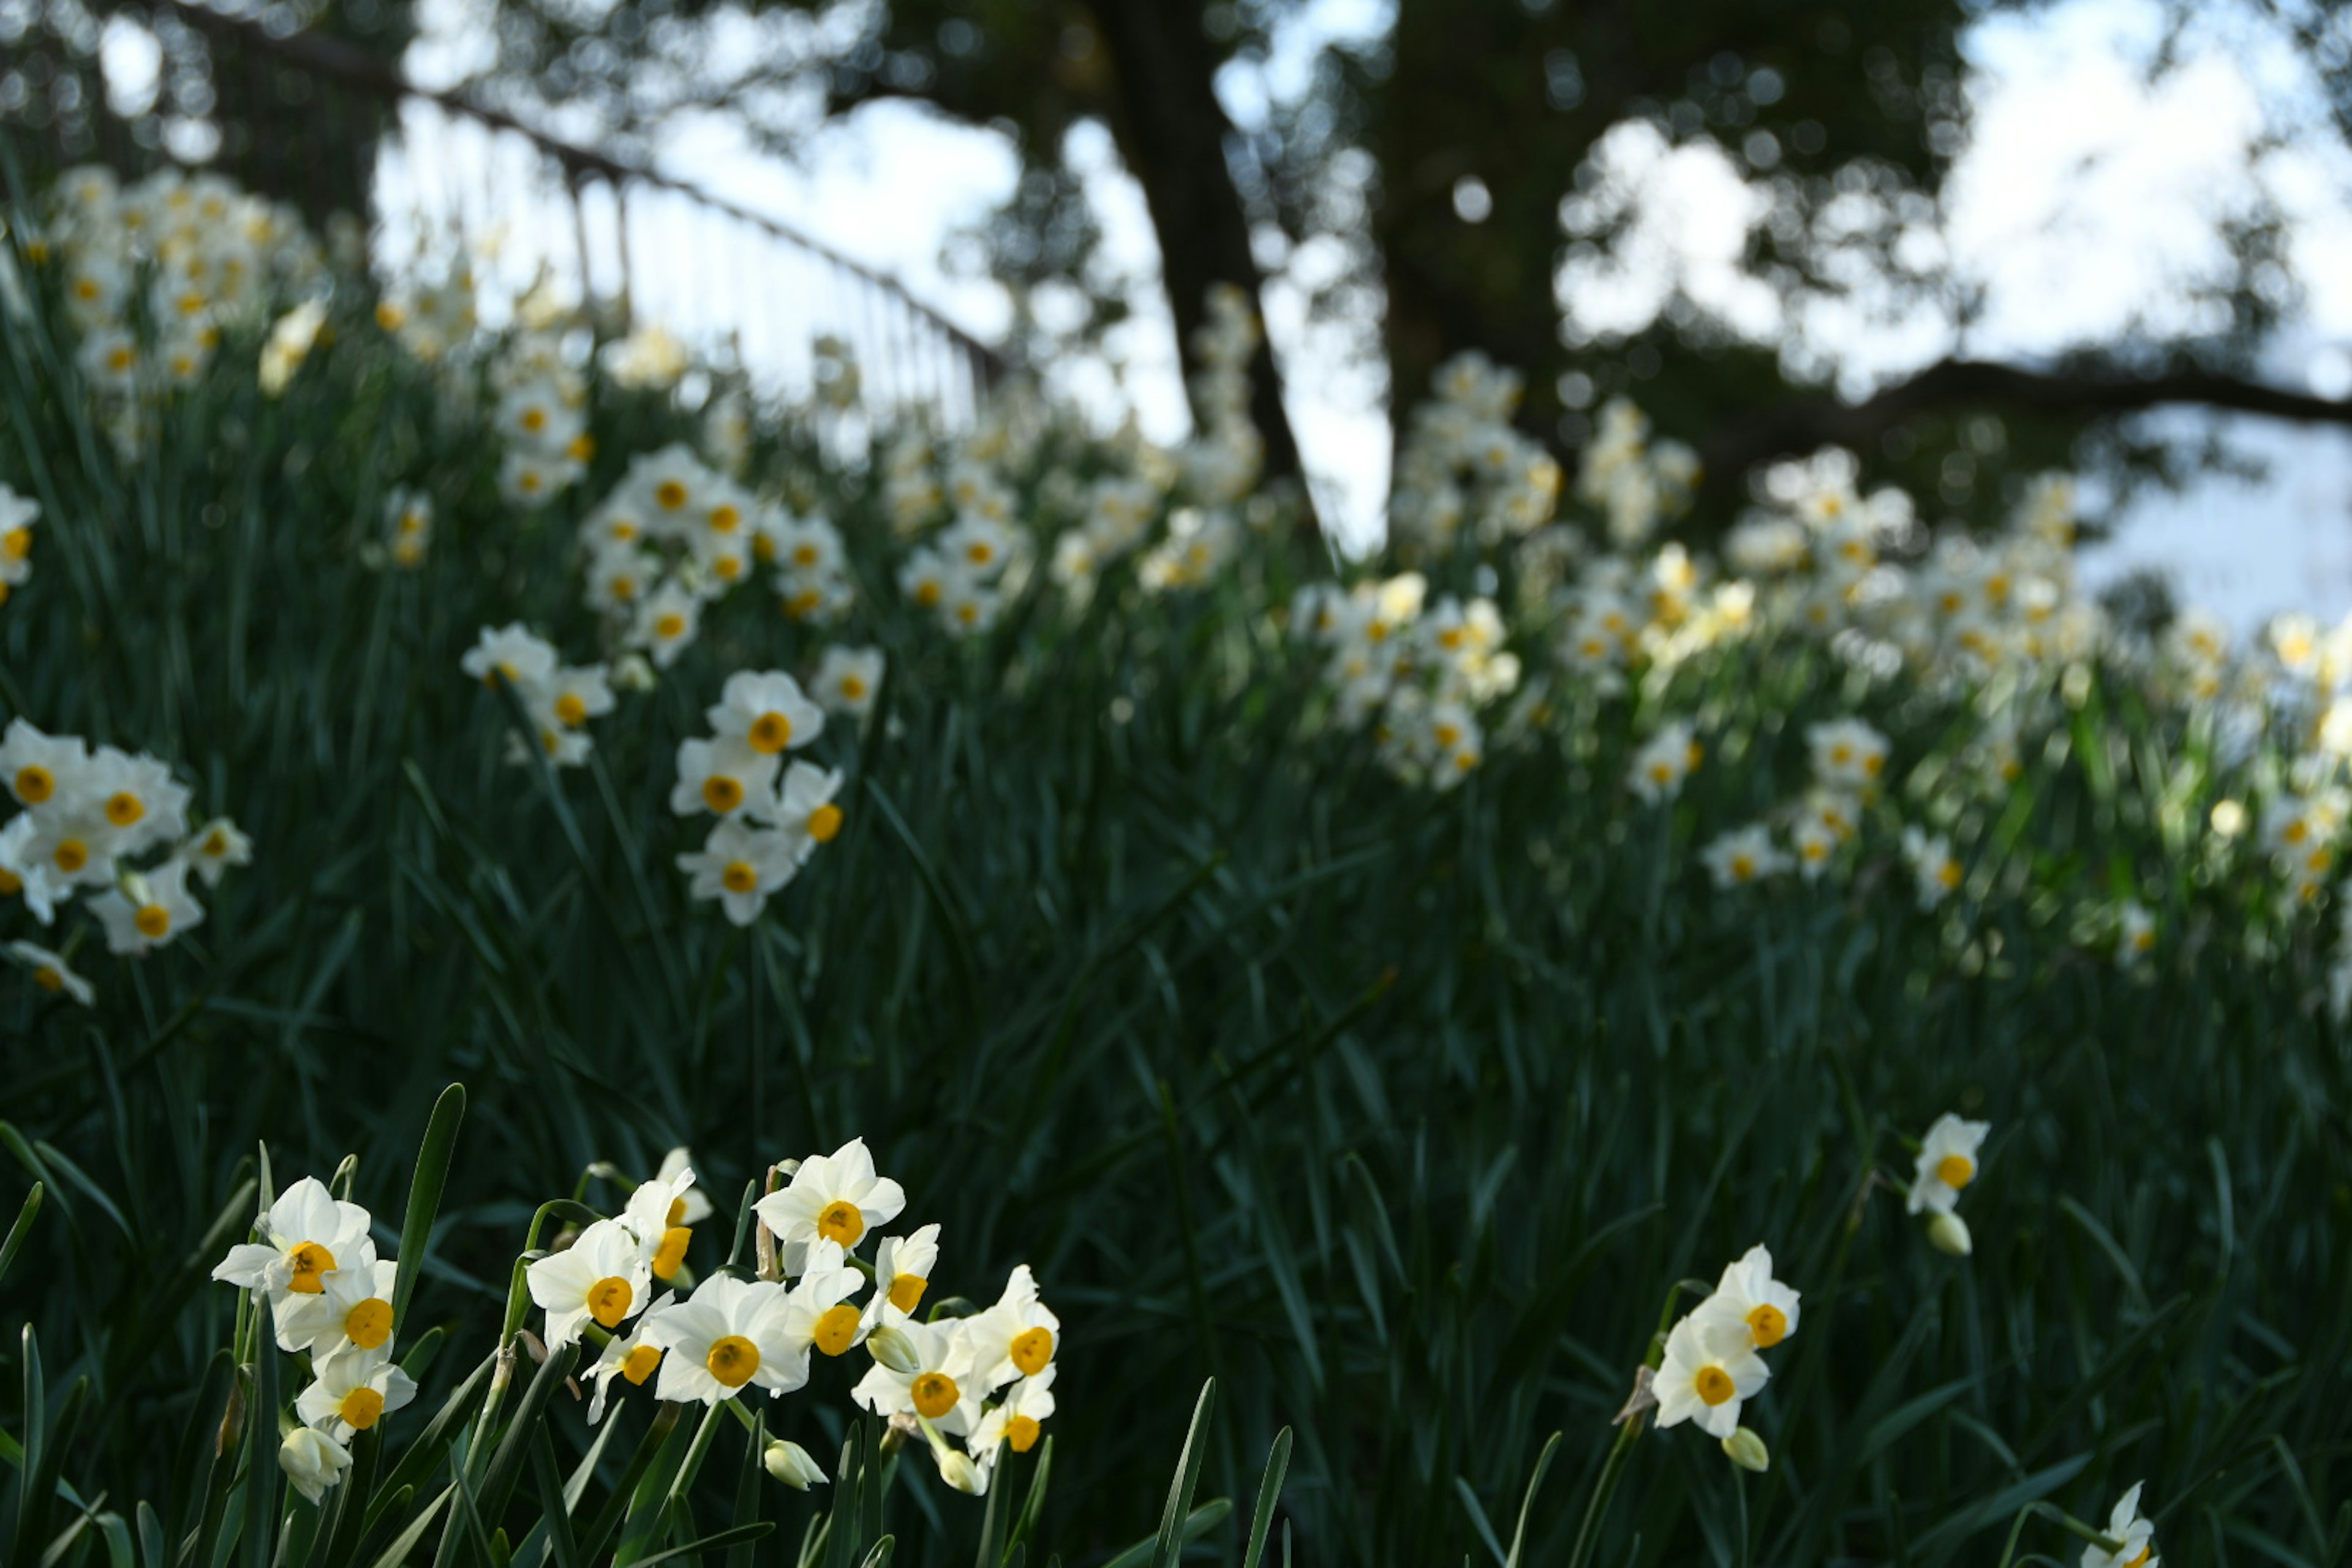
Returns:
(93, 822)
(774, 810)
(557, 700)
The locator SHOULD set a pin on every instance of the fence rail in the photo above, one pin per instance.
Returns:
(640, 246)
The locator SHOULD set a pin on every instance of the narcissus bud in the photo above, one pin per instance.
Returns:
(959, 1471)
(792, 1464)
(1746, 1450)
(894, 1349)
(1949, 1233)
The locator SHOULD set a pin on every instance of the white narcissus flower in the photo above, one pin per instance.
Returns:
(792, 1464)
(632, 1357)
(512, 651)
(720, 776)
(136, 795)
(1660, 765)
(37, 767)
(942, 1383)
(2134, 1535)
(603, 1275)
(1847, 754)
(848, 680)
(766, 712)
(24, 871)
(312, 1461)
(832, 1197)
(678, 1164)
(353, 1392)
(352, 1309)
(307, 1233)
(659, 1215)
(213, 848)
(2135, 932)
(1015, 1338)
(150, 910)
(666, 622)
(802, 809)
(1710, 1370)
(818, 1314)
(1937, 872)
(1750, 1296)
(728, 1335)
(1946, 1162)
(1017, 1420)
(1743, 856)
(903, 1265)
(740, 866)
(51, 972)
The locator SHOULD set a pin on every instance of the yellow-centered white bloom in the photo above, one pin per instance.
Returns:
(848, 680)
(1017, 1421)
(731, 1335)
(666, 622)
(353, 1392)
(352, 1311)
(833, 1197)
(741, 867)
(765, 713)
(2135, 1537)
(38, 768)
(1015, 1338)
(213, 848)
(632, 1357)
(148, 910)
(1947, 1163)
(903, 1266)
(52, 974)
(1710, 1370)
(1743, 856)
(942, 1383)
(818, 1313)
(1748, 1295)
(307, 1235)
(513, 651)
(802, 810)
(660, 1215)
(1664, 762)
(721, 776)
(604, 1275)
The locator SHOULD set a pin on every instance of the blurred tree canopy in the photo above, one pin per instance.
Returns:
(1448, 181)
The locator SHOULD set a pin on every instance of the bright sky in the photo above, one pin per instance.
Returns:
(2089, 199)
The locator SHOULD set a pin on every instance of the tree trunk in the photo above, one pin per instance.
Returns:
(1171, 131)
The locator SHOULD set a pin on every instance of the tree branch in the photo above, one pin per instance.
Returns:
(1793, 429)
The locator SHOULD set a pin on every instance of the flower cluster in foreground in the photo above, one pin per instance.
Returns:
(1711, 1368)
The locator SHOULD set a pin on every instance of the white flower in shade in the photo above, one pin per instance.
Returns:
(511, 651)
(740, 866)
(2135, 1537)
(353, 1392)
(150, 910)
(802, 809)
(1748, 1295)
(729, 1335)
(1016, 1422)
(942, 1381)
(927, 577)
(2135, 932)
(51, 972)
(25, 872)
(1743, 856)
(352, 1310)
(666, 623)
(658, 1216)
(765, 713)
(312, 1461)
(903, 1266)
(1815, 845)
(37, 767)
(573, 695)
(603, 1275)
(213, 848)
(848, 680)
(1015, 1338)
(720, 776)
(1710, 1370)
(1847, 754)
(307, 1235)
(1933, 866)
(137, 797)
(71, 842)
(1664, 762)
(832, 1197)
(632, 1357)
(1946, 1162)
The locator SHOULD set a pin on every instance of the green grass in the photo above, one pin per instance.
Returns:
(1397, 1114)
